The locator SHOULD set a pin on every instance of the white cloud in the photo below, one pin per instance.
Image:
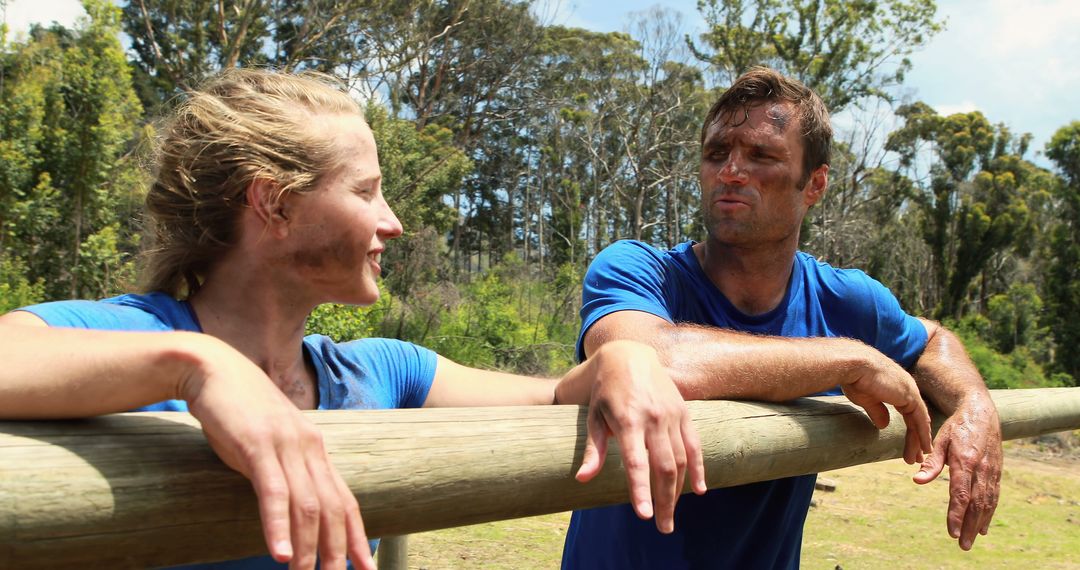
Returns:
(946, 109)
(21, 13)
(1032, 25)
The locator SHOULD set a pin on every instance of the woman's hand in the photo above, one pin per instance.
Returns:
(305, 506)
(632, 398)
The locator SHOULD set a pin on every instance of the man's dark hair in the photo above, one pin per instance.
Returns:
(762, 85)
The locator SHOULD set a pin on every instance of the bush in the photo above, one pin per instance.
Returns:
(15, 290)
(1020, 369)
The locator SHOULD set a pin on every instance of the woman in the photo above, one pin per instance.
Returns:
(267, 203)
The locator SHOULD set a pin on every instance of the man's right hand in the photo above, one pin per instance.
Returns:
(882, 381)
(305, 506)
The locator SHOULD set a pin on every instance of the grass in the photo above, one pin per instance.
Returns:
(876, 518)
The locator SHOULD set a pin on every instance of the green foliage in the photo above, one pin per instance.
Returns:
(65, 185)
(177, 43)
(420, 169)
(1013, 318)
(513, 151)
(1019, 369)
(343, 323)
(1063, 251)
(979, 200)
(15, 290)
(845, 50)
(506, 321)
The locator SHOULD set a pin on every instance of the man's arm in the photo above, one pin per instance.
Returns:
(969, 441)
(711, 363)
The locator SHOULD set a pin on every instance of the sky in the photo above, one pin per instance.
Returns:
(1014, 60)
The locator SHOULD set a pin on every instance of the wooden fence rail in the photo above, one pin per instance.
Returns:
(143, 490)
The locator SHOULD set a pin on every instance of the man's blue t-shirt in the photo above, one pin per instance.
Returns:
(750, 526)
(370, 373)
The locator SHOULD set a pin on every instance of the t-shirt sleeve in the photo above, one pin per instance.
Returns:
(95, 315)
(403, 370)
(900, 336)
(883, 324)
(626, 276)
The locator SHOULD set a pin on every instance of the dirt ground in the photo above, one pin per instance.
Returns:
(876, 518)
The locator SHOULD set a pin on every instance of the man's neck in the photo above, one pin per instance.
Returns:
(754, 279)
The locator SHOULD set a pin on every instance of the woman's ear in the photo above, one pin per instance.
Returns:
(267, 204)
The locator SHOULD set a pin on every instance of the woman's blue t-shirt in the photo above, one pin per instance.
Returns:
(371, 373)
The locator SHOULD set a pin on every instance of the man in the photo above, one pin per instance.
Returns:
(764, 163)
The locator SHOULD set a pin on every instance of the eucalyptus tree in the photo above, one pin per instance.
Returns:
(846, 50)
(176, 43)
(976, 205)
(1063, 271)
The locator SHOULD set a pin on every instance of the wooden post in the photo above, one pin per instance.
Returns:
(143, 490)
(393, 553)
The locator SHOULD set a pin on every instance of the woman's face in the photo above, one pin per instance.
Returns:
(338, 231)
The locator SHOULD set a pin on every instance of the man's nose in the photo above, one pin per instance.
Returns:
(733, 170)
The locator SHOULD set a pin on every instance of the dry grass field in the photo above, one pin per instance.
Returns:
(876, 518)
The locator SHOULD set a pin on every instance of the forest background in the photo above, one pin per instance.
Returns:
(513, 150)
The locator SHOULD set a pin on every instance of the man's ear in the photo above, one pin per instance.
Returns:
(267, 204)
(816, 185)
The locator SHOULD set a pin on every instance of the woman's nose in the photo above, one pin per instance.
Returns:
(389, 225)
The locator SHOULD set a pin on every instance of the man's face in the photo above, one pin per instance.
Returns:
(750, 175)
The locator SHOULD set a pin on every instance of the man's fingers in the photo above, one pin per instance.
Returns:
(665, 473)
(988, 516)
(911, 445)
(878, 413)
(695, 463)
(959, 498)
(595, 447)
(918, 439)
(272, 491)
(679, 449)
(636, 463)
(973, 515)
(934, 463)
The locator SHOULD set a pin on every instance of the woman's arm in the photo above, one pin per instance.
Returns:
(630, 397)
(304, 504)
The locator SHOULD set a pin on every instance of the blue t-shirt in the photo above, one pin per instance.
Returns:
(750, 526)
(371, 373)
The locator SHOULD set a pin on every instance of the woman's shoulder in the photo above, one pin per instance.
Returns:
(137, 312)
(380, 353)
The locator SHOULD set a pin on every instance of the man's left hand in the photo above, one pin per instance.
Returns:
(969, 442)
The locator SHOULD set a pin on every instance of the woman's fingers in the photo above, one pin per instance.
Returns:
(272, 491)
(305, 508)
(358, 549)
(333, 541)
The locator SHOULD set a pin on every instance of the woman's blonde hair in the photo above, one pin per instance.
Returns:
(240, 125)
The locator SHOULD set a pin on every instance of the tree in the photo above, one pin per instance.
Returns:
(68, 192)
(178, 42)
(975, 205)
(843, 49)
(1063, 271)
